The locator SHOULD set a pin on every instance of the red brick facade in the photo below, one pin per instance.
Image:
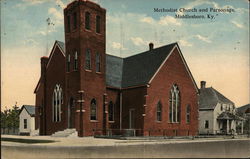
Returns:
(134, 107)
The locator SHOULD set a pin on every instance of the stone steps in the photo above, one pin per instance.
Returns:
(65, 133)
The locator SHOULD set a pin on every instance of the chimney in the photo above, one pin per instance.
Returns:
(151, 46)
(44, 61)
(203, 84)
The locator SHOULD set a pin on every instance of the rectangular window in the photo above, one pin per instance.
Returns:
(76, 61)
(68, 63)
(88, 59)
(25, 123)
(188, 113)
(111, 111)
(68, 23)
(98, 62)
(206, 124)
(87, 20)
(98, 24)
(75, 20)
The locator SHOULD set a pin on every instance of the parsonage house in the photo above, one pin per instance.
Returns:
(82, 87)
(217, 114)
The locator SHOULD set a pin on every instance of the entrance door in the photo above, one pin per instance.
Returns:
(71, 123)
(131, 118)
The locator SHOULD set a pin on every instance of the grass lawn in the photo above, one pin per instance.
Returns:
(27, 141)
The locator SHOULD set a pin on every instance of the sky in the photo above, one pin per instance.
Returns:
(216, 50)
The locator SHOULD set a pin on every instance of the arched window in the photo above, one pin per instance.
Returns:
(188, 111)
(76, 61)
(98, 24)
(98, 62)
(111, 111)
(159, 111)
(93, 110)
(75, 20)
(87, 20)
(88, 59)
(57, 101)
(174, 104)
(68, 63)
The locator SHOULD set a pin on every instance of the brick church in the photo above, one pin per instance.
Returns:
(82, 87)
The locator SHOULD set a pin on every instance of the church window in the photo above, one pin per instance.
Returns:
(57, 102)
(87, 20)
(159, 111)
(93, 110)
(68, 23)
(98, 24)
(68, 63)
(76, 61)
(25, 123)
(188, 111)
(98, 62)
(88, 59)
(75, 20)
(111, 111)
(174, 104)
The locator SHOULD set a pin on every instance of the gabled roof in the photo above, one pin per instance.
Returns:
(243, 108)
(29, 108)
(140, 68)
(209, 97)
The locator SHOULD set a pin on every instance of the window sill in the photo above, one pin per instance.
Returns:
(111, 121)
(88, 30)
(88, 70)
(158, 121)
(94, 121)
(98, 73)
(98, 33)
(75, 70)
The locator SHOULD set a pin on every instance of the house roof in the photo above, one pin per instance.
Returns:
(209, 97)
(244, 108)
(29, 108)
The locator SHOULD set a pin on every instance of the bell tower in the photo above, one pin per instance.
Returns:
(85, 58)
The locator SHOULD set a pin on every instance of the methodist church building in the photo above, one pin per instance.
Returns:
(81, 87)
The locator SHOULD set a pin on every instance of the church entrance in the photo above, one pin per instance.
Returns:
(71, 114)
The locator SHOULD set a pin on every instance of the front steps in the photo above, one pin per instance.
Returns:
(65, 133)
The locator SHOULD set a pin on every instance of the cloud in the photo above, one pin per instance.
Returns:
(237, 24)
(203, 38)
(149, 20)
(185, 43)
(138, 41)
(57, 15)
(116, 45)
(169, 20)
(60, 4)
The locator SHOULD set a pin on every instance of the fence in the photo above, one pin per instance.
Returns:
(10, 131)
(141, 132)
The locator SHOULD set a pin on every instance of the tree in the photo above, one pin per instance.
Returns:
(10, 117)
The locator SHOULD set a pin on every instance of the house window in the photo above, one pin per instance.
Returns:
(88, 59)
(87, 20)
(76, 61)
(57, 102)
(111, 111)
(25, 123)
(206, 124)
(174, 104)
(221, 107)
(68, 24)
(98, 24)
(188, 111)
(159, 111)
(68, 63)
(98, 62)
(93, 109)
(75, 20)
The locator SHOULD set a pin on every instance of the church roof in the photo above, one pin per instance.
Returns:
(134, 70)
(137, 69)
(209, 97)
(29, 108)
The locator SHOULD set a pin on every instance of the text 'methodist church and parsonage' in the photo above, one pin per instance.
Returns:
(82, 87)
